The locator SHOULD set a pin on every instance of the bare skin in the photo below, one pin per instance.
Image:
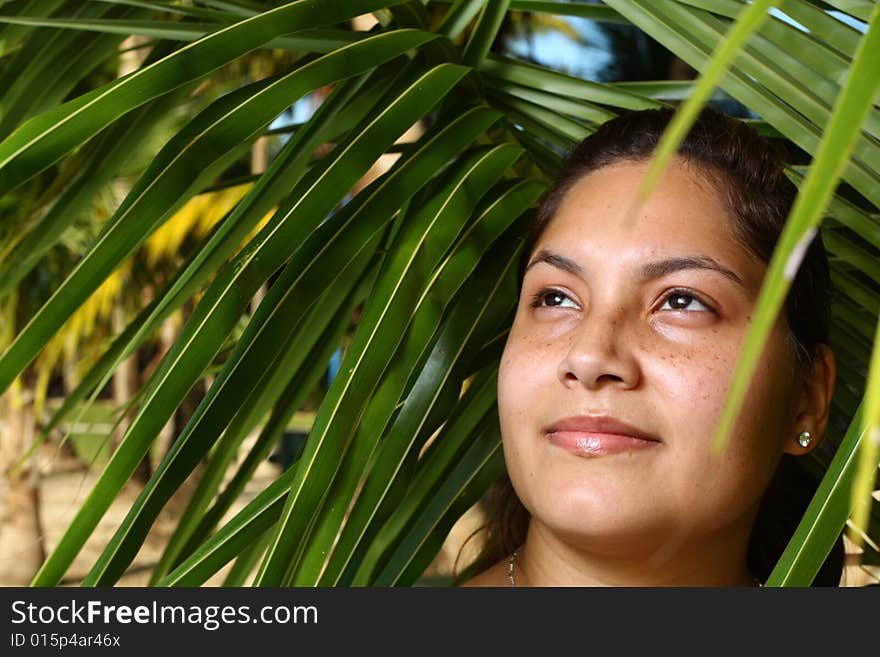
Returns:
(643, 323)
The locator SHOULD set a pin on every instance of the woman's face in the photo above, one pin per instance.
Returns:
(641, 323)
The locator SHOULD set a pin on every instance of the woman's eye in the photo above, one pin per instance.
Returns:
(551, 298)
(679, 300)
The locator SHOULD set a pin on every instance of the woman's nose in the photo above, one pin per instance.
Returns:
(600, 353)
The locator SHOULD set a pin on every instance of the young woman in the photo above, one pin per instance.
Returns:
(619, 360)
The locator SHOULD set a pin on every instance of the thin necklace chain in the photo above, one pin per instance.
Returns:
(512, 563)
(510, 566)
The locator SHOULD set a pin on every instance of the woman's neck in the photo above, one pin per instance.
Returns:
(547, 560)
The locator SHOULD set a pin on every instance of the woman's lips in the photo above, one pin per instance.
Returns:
(588, 443)
(598, 435)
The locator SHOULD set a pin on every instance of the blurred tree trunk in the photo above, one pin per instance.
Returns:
(21, 535)
(125, 379)
(167, 337)
(259, 164)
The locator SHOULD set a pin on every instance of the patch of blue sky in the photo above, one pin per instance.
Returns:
(584, 57)
(846, 19)
(787, 19)
(300, 112)
(849, 20)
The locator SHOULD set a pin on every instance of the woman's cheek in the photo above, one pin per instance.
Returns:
(703, 357)
(510, 391)
(527, 370)
(517, 385)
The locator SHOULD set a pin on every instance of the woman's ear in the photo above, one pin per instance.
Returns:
(814, 404)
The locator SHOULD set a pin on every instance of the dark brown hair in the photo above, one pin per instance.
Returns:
(748, 174)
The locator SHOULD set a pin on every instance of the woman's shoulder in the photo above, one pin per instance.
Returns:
(494, 576)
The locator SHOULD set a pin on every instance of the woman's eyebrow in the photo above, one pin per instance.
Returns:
(557, 260)
(648, 271)
(660, 268)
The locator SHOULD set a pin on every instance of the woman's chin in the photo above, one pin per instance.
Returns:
(606, 529)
